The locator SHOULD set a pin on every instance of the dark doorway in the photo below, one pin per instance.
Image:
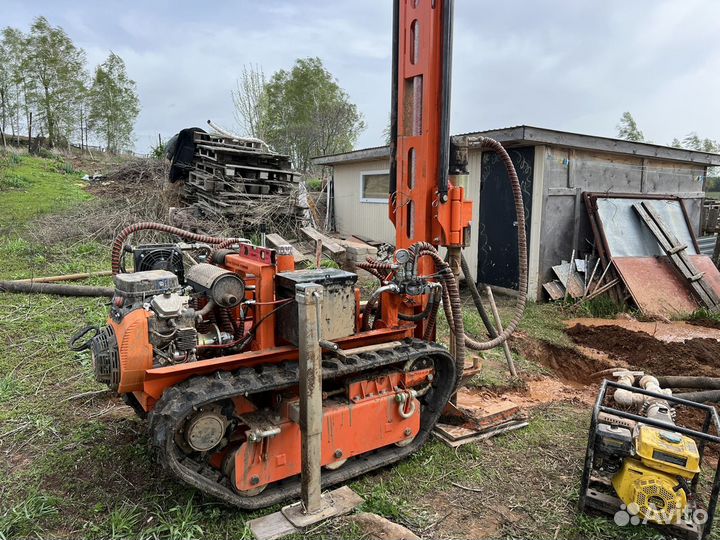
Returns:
(497, 230)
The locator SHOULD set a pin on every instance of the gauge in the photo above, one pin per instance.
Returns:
(402, 256)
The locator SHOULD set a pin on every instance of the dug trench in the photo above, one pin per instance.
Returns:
(574, 373)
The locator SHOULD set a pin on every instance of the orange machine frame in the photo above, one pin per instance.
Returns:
(420, 213)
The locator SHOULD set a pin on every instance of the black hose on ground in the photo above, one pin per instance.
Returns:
(56, 288)
(682, 381)
(706, 396)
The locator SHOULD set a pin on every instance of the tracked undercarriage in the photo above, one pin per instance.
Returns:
(218, 470)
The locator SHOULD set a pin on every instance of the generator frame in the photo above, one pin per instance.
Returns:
(592, 499)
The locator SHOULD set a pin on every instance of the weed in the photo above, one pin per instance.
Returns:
(314, 184)
(13, 181)
(25, 518)
(602, 306)
(9, 387)
(121, 523)
(178, 523)
(704, 314)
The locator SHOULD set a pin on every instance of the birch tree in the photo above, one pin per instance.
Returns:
(114, 104)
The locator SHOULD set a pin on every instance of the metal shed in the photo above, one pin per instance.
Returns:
(554, 167)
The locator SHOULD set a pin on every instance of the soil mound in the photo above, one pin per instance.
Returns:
(697, 356)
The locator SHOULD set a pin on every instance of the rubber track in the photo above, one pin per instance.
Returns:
(181, 400)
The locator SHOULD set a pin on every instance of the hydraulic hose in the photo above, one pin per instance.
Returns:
(451, 300)
(373, 300)
(454, 312)
(119, 241)
(490, 144)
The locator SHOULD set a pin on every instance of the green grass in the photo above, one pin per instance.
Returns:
(78, 465)
(33, 186)
(712, 194)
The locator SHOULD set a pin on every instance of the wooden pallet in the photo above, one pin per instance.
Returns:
(677, 252)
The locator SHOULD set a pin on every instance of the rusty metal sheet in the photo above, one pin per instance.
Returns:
(658, 289)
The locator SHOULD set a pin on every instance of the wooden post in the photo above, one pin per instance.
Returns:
(308, 296)
(716, 253)
(499, 326)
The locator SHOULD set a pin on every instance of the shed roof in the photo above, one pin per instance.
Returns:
(529, 135)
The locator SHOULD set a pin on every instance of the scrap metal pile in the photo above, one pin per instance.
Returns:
(240, 180)
(648, 255)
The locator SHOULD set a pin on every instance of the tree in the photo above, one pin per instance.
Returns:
(247, 98)
(14, 45)
(114, 104)
(628, 130)
(6, 87)
(56, 69)
(305, 113)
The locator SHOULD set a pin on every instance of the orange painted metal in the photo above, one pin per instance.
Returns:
(367, 388)
(136, 353)
(349, 429)
(260, 274)
(157, 380)
(285, 263)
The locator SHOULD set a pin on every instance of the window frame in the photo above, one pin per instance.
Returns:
(373, 200)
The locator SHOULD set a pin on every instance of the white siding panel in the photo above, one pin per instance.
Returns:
(352, 216)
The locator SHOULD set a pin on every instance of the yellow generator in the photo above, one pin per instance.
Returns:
(641, 467)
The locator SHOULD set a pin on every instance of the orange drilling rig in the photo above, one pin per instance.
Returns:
(210, 351)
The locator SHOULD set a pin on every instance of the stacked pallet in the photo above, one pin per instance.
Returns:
(242, 181)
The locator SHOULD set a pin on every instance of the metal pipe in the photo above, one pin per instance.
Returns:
(55, 288)
(682, 381)
(394, 97)
(308, 297)
(445, 92)
(707, 396)
(498, 323)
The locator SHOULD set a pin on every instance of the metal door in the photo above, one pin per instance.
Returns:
(497, 228)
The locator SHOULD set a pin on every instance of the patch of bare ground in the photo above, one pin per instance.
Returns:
(696, 356)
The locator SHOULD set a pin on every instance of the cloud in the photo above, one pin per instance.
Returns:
(557, 64)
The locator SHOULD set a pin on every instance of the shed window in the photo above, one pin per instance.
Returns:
(375, 186)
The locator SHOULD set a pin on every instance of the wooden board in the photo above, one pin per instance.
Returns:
(275, 240)
(328, 244)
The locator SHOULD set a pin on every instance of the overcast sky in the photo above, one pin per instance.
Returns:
(572, 65)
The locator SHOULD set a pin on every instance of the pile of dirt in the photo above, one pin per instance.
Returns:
(697, 356)
(706, 322)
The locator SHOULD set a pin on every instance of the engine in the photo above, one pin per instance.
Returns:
(155, 321)
(652, 470)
